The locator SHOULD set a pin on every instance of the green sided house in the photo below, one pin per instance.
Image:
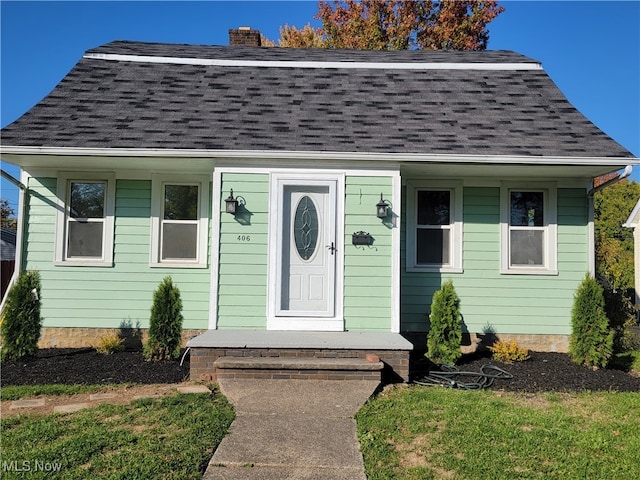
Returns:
(307, 203)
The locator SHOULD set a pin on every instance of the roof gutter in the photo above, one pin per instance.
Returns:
(627, 171)
(20, 151)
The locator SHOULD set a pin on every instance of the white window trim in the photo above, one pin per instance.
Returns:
(550, 228)
(456, 228)
(60, 257)
(157, 204)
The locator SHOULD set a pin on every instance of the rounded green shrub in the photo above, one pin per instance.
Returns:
(445, 332)
(165, 326)
(591, 340)
(21, 321)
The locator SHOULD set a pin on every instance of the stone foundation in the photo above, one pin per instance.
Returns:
(474, 341)
(82, 337)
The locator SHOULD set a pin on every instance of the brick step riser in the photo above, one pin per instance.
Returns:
(294, 374)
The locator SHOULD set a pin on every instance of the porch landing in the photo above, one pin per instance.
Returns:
(299, 355)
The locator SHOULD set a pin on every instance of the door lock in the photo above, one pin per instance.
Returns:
(332, 248)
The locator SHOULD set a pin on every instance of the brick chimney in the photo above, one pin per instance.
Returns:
(244, 36)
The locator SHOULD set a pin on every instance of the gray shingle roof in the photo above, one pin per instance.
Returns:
(107, 103)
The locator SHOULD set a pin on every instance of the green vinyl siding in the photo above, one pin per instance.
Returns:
(367, 270)
(516, 304)
(107, 297)
(244, 247)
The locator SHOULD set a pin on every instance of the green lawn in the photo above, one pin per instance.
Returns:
(433, 433)
(405, 433)
(16, 392)
(169, 438)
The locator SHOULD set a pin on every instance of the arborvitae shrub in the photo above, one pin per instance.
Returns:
(591, 340)
(21, 320)
(165, 326)
(445, 333)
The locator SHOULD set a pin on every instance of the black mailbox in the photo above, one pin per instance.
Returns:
(361, 238)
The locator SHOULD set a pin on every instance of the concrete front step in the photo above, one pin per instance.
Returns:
(392, 349)
(299, 368)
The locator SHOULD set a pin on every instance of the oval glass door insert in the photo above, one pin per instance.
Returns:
(305, 228)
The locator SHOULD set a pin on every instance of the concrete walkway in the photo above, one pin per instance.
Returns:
(291, 430)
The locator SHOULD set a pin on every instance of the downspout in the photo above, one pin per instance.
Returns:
(591, 225)
(22, 206)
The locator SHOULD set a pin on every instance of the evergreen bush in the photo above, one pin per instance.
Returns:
(591, 340)
(165, 326)
(109, 344)
(21, 321)
(508, 351)
(445, 332)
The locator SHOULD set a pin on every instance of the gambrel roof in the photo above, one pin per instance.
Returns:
(132, 95)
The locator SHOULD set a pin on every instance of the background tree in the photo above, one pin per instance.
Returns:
(614, 257)
(397, 25)
(614, 243)
(8, 215)
(306, 37)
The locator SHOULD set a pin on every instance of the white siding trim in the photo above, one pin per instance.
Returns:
(591, 237)
(395, 252)
(215, 248)
(314, 65)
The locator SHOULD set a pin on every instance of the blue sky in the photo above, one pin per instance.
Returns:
(590, 49)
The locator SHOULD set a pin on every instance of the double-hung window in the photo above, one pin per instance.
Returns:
(529, 229)
(84, 230)
(434, 227)
(179, 222)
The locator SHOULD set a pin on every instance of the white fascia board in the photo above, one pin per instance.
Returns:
(631, 221)
(314, 65)
(614, 162)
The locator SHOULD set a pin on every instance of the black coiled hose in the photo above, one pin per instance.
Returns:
(450, 377)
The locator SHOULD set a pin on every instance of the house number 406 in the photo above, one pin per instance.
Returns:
(244, 238)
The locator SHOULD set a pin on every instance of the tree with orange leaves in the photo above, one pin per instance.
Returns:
(397, 25)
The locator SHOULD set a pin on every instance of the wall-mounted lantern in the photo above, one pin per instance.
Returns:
(231, 204)
(382, 208)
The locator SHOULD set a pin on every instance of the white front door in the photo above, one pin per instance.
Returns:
(306, 253)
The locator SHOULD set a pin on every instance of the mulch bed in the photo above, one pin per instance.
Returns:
(86, 366)
(547, 372)
(543, 372)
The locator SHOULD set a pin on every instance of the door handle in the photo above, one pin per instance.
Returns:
(332, 248)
